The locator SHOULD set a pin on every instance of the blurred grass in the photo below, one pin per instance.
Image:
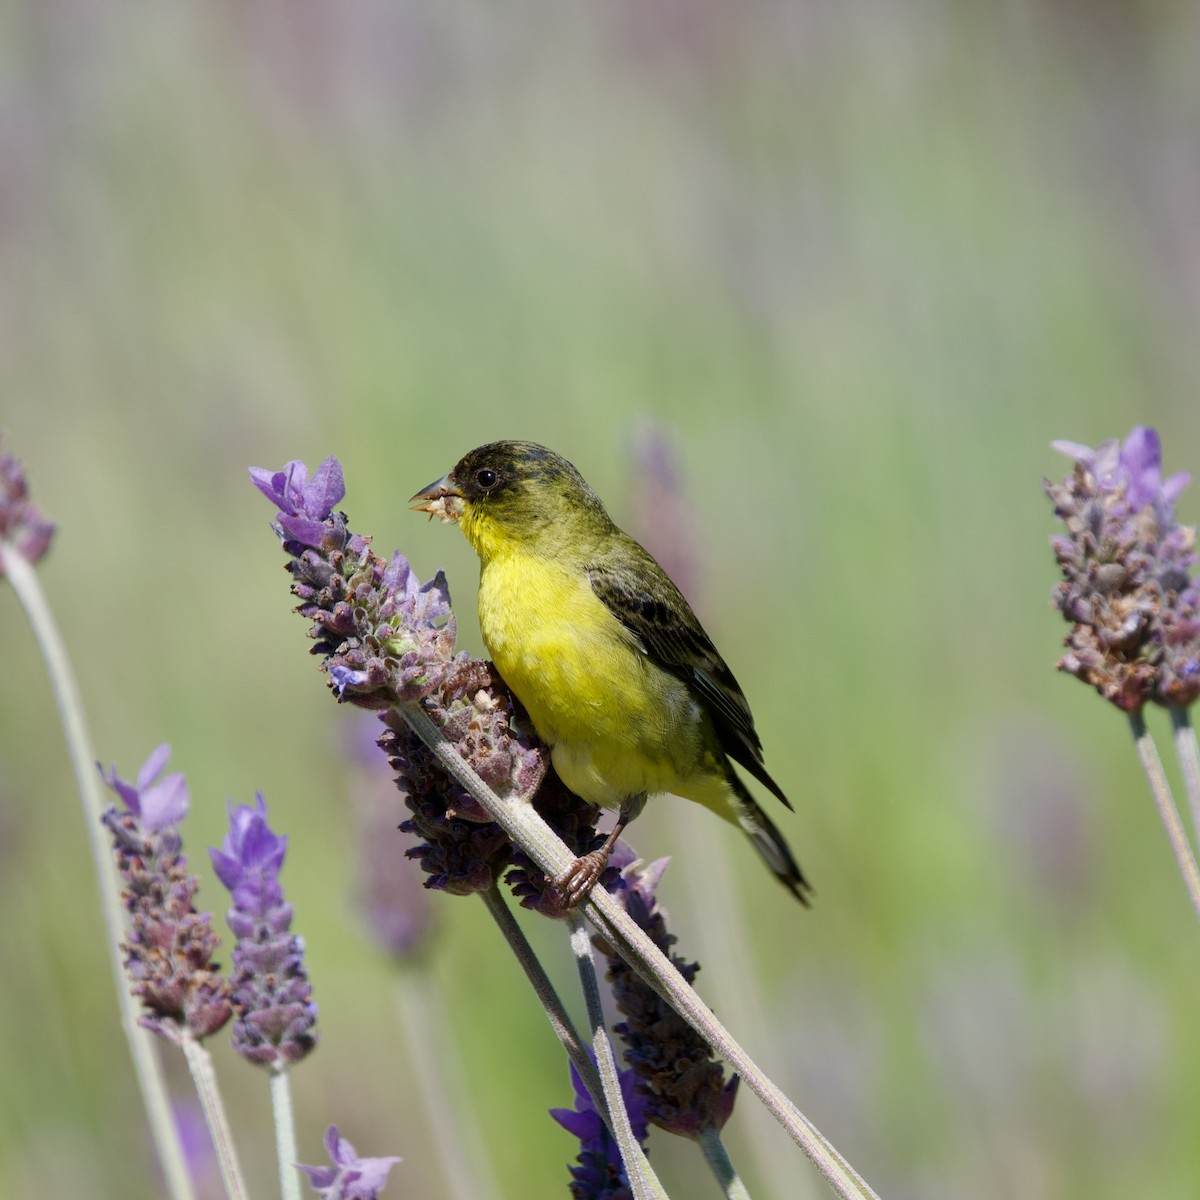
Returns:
(862, 261)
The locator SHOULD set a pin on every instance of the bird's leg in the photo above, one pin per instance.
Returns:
(580, 877)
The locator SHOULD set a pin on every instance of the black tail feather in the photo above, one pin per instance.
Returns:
(770, 844)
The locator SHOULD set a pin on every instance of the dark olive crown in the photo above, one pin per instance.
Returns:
(523, 481)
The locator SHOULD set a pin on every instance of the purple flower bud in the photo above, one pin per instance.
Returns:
(600, 1174)
(170, 945)
(1126, 567)
(23, 528)
(271, 992)
(461, 850)
(350, 1177)
(683, 1084)
(304, 505)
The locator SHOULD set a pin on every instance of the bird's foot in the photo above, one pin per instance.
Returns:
(577, 881)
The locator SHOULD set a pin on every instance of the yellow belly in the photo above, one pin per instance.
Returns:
(617, 724)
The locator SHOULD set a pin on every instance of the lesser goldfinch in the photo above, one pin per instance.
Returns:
(616, 673)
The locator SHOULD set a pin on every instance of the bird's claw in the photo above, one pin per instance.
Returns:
(577, 881)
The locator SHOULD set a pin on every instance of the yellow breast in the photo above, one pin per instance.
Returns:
(617, 724)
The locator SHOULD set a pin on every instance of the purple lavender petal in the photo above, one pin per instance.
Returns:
(170, 945)
(157, 803)
(285, 489)
(165, 802)
(600, 1174)
(272, 997)
(351, 1177)
(325, 490)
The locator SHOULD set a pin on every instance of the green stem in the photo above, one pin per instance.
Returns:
(641, 1175)
(143, 1048)
(1161, 791)
(721, 1166)
(553, 1006)
(522, 823)
(204, 1077)
(1188, 754)
(285, 1134)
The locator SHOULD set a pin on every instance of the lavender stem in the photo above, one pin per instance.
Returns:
(1188, 753)
(1161, 791)
(285, 1133)
(199, 1062)
(641, 1175)
(556, 1013)
(143, 1049)
(521, 822)
(720, 1165)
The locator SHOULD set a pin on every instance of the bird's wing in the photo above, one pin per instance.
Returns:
(638, 592)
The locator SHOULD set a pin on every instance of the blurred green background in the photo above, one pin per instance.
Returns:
(857, 263)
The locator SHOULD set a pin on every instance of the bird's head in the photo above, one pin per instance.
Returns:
(506, 493)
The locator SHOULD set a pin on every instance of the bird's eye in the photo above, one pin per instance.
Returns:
(487, 479)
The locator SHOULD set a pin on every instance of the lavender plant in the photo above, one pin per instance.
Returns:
(599, 1173)
(168, 956)
(683, 1087)
(1133, 606)
(166, 944)
(387, 642)
(168, 953)
(25, 537)
(270, 991)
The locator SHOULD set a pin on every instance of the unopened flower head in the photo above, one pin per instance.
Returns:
(23, 528)
(600, 1174)
(462, 849)
(384, 635)
(1126, 564)
(350, 1177)
(271, 993)
(684, 1086)
(170, 947)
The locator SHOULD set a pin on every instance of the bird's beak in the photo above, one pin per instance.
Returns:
(440, 499)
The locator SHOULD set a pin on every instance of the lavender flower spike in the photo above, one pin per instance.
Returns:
(1126, 563)
(271, 992)
(350, 1177)
(600, 1174)
(170, 945)
(22, 525)
(384, 636)
(684, 1086)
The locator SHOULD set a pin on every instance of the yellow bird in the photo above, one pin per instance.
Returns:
(618, 677)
